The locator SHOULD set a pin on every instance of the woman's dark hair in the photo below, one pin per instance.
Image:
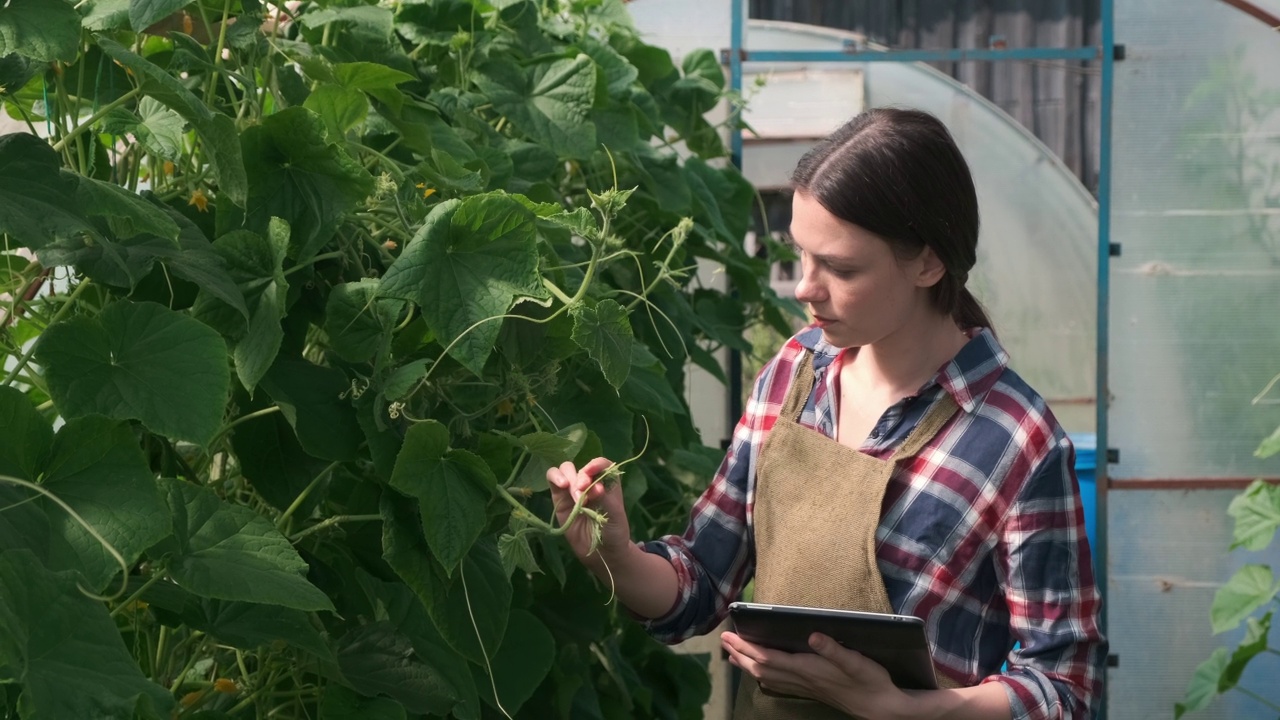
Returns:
(899, 175)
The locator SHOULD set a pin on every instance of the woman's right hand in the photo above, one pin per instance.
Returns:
(567, 485)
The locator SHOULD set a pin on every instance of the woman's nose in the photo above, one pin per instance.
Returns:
(808, 291)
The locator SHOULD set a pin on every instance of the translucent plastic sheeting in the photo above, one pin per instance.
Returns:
(1195, 297)
(1169, 556)
(1037, 257)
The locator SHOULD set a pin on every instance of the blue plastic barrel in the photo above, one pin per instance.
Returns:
(1086, 472)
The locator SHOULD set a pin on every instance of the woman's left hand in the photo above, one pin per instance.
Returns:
(837, 676)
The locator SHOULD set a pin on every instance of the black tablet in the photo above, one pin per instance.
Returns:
(896, 642)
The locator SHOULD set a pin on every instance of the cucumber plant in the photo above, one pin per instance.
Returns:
(299, 302)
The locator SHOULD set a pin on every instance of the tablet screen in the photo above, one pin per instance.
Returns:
(897, 642)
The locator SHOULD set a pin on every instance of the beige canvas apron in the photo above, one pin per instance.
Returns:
(817, 507)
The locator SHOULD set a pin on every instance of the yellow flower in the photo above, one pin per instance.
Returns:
(199, 199)
(426, 191)
(506, 408)
(190, 698)
(168, 167)
(187, 25)
(226, 686)
(390, 245)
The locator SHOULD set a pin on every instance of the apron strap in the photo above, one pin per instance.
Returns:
(934, 418)
(801, 388)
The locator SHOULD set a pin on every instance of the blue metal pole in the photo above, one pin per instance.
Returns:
(736, 50)
(1104, 300)
(952, 55)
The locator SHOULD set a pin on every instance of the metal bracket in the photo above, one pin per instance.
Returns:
(726, 55)
(1117, 52)
(1114, 250)
(1113, 456)
(1113, 660)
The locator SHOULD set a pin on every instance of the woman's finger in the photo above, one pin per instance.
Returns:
(748, 650)
(556, 478)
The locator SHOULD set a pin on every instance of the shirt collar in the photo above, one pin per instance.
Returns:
(970, 374)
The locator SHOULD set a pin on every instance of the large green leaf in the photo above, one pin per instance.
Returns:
(465, 267)
(357, 321)
(256, 264)
(298, 173)
(722, 199)
(216, 131)
(452, 488)
(312, 398)
(459, 609)
(139, 361)
(378, 660)
(597, 406)
(1257, 514)
(251, 625)
(97, 468)
(406, 612)
(65, 651)
(229, 552)
(145, 13)
(406, 551)
(270, 456)
(548, 450)
(364, 19)
(106, 261)
(478, 601)
(27, 436)
(1249, 589)
(377, 80)
(128, 213)
(548, 102)
(615, 70)
(1253, 645)
(647, 388)
(157, 127)
(243, 625)
(44, 30)
(1203, 687)
(340, 108)
(195, 260)
(36, 204)
(1268, 447)
(521, 663)
(100, 15)
(605, 333)
(339, 703)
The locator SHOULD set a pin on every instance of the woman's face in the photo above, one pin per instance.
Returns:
(854, 286)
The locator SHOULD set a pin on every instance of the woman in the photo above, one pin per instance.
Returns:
(888, 461)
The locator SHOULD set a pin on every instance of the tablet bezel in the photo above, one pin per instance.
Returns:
(896, 642)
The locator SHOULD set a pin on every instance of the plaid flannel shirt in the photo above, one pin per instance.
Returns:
(981, 534)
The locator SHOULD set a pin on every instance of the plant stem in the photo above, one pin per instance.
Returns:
(161, 659)
(217, 54)
(523, 513)
(302, 266)
(302, 496)
(330, 522)
(1259, 698)
(555, 290)
(155, 578)
(102, 112)
(246, 418)
(62, 311)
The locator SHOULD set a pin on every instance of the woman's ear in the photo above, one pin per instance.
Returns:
(928, 268)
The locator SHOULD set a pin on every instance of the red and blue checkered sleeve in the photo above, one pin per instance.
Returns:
(1054, 604)
(715, 557)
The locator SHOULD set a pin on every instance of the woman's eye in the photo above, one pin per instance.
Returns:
(841, 273)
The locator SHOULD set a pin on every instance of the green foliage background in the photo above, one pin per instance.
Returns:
(300, 304)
